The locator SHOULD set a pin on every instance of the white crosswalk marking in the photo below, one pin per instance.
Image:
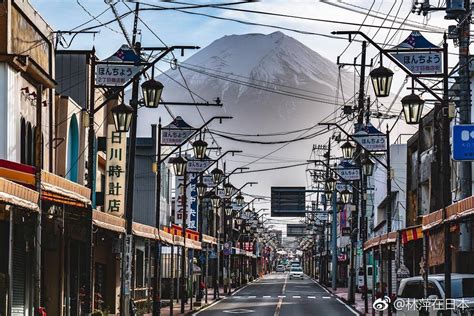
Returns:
(267, 296)
(281, 296)
(326, 297)
(296, 296)
(252, 296)
(311, 296)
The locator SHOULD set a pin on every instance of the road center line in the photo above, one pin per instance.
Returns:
(280, 298)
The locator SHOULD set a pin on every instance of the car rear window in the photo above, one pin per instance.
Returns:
(296, 269)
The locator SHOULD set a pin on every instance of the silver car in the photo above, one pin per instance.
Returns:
(411, 292)
(296, 273)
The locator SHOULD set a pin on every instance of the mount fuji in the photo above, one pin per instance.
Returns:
(267, 83)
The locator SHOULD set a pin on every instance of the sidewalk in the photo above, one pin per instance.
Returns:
(343, 292)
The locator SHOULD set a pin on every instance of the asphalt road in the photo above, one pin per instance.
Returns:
(276, 295)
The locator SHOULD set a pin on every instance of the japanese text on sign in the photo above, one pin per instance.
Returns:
(421, 63)
(115, 172)
(174, 137)
(371, 142)
(114, 74)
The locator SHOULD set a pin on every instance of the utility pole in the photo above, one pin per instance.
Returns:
(157, 285)
(334, 241)
(38, 168)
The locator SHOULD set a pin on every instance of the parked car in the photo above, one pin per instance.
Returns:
(462, 287)
(280, 268)
(296, 273)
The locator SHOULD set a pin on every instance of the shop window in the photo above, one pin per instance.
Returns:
(100, 286)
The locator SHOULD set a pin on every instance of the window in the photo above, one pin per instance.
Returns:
(23, 141)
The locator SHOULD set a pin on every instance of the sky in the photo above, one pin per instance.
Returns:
(171, 27)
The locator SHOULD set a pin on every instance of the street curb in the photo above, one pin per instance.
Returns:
(341, 298)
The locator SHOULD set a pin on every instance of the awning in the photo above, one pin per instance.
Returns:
(432, 220)
(193, 244)
(59, 189)
(178, 240)
(166, 237)
(54, 188)
(384, 239)
(411, 233)
(108, 221)
(209, 239)
(145, 231)
(17, 195)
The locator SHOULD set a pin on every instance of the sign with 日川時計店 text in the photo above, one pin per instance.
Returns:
(115, 172)
(191, 202)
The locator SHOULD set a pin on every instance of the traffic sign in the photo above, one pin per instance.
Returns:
(463, 142)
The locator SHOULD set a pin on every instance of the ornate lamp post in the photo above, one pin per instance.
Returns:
(122, 114)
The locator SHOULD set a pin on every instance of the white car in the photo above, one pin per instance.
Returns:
(296, 273)
(280, 268)
(462, 292)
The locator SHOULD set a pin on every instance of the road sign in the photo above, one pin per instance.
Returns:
(463, 142)
(198, 165)
(227, 248)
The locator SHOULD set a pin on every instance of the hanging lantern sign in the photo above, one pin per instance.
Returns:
(418, 55)
(175, 133)
(370, 138)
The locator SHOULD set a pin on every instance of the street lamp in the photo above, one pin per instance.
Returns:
(247, 227)
(179, 165)
(217, 175)
(239, 199)
(199, 148)
(215, 201)
(331, 183)
(412, 108)
(122, 114)
(248, 213)
(228, 210)
(201, 189)
(346, 196)
(367, 166)
(347, 150)
(238, 221)
(381, 80)
(152, 90)
(228, 188)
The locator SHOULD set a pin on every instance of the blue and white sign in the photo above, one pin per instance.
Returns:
(463, 142)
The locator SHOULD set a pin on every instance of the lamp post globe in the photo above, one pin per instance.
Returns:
(381, 81)
(199, 148)
(217, 175)
(347, 150)
(238, 221)
(239, 199)
(179, 165)
(152, 90)
(412, 106)
(247, 227)
(248, 213)
(122, 114)
(367, 166)
(201, 189)
(328, 195)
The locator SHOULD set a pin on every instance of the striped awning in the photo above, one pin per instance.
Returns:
(411, 233)
(17, 195)
(108, 221)
(209, 239)
(384, 239)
